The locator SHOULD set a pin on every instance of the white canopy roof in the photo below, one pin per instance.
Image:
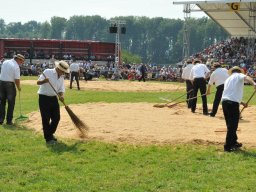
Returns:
(238, 18)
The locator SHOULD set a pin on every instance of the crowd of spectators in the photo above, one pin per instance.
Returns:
(231, 52)
(92, 69)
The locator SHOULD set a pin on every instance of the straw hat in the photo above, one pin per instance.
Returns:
(216, 64)
(230, 71)
(196, 60)
(19, 56)
(189, 61)
(62, 65)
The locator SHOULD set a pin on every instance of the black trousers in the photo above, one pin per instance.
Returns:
(142, 77)
(199, 84)
(217, 99)
(50, 114)
(231, 114)
(76, 75)
(189, 89)
(7, 93)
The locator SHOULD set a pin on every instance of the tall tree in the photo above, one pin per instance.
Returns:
(14, 29)
(58, 27)
(157, 40)
(45, 30)
(31, 29)
(2, 28)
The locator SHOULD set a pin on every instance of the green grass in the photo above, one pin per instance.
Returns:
(27, 164)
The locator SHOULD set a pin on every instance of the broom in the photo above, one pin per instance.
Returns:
(82, 127)
(166, 104)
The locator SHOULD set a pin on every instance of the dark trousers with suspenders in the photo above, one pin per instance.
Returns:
(231, 114)
(200, 84)
(190, 93)
(217, 99)
(7, 92)
(76, 75)
(50, 113)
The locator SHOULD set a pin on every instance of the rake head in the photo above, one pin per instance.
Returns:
(159, 105)
(172, 105)
(21, 118)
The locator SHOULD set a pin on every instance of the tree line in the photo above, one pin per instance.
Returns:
(154, 40)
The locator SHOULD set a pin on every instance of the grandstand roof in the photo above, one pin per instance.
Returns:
(237, 17)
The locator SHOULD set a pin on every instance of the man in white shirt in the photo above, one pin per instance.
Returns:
(74, 73)
(199, 73)
(218, 78)
(231, 98)
(48, 99)
(9, 77)
(186, 76)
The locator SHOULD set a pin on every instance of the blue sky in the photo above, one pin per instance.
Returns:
(43, 10)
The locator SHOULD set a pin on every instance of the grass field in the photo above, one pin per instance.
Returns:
(27, 164)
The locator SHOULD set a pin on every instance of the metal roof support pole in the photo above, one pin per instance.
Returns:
(117, 48)
(186, 42)
(251, 33)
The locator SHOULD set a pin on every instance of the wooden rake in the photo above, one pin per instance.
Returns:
(247, 103)
(21, 117)
(79, 124)
(166, 104)
(175, 104)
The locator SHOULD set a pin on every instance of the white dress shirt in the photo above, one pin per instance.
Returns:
(186, 72)
(233, 87)
(199, 70)
(74, 67)
(10, 71)
(218, 76)
(57, 83)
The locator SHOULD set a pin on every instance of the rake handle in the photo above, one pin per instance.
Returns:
(19, 103)
(248, 101)
(55, 90)
(179, 97)
(187, 100)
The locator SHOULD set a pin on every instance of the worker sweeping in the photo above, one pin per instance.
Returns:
(48, 98)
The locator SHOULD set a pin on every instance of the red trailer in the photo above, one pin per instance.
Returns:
(57, 49)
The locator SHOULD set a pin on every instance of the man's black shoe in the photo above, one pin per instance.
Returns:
(54, 138)
(205, 113)
(231, 149)
(211, 115)
(238, 145)
(1, 123)
(51, 142)
(9, 123)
